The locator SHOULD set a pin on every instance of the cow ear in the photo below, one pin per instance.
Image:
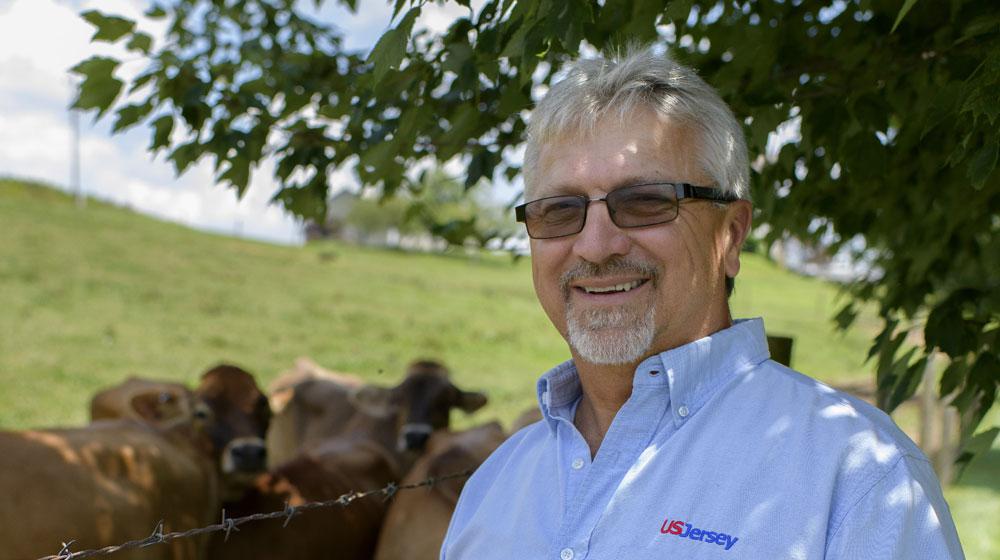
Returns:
(280, 399)
(372, 400)
(471, 401)
(152, 406)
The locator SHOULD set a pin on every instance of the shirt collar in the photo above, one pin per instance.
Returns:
(693, 372)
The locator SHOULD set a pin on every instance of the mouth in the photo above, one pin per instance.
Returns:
(609, 292)
(614, 288)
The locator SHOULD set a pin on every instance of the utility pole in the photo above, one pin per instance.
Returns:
(74, 161)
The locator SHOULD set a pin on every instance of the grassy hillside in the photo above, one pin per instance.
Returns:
(91, 295)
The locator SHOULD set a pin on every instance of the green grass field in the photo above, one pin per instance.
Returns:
(89, 296)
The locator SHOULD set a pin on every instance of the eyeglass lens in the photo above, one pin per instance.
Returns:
(637, 206)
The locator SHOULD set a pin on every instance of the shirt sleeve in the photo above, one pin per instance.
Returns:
(903, 516)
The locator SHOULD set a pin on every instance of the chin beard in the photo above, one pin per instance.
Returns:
(611, 336)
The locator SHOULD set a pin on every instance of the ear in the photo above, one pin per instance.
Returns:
(372, 400)
(739, 217)
(280, 399)
(155, 406)
(470, 401)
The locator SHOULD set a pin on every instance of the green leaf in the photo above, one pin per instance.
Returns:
(397, 8)
(238, 174)
(977, 445)
(902, 13)
(99, 87)
(162, 127)
(953, 376)
(156, 12)
(141, 42)
(185, 154)
(983, 164)
(131, 114)
(109, 28)
(391, 47)
(845, 318)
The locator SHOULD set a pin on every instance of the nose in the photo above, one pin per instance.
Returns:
(248, 456)
(600, 239)
(414, 436)
(416, 441)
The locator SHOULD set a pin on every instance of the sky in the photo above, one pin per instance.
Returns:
(41, 39)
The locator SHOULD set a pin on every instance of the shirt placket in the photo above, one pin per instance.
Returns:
(590, 485)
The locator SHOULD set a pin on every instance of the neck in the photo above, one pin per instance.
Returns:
(605, 390)
(607, 387)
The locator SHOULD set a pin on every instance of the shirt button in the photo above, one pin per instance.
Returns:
(682, 411)
(566, 554)
(577, 465)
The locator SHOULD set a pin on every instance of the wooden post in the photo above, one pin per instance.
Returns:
(780, 348)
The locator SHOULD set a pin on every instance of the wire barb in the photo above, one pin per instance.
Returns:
(389, 491)
(156, 537)
(289, 512)
(65, 552)
(229, 525)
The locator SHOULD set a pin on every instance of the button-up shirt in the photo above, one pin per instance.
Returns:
(719, 452)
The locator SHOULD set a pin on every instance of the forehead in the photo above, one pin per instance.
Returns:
(641, 148)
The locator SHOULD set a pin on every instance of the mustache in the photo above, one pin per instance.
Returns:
(611, 267)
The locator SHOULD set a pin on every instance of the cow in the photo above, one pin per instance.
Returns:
(116, 402)
(311, 409)
(309, 404)
(333, 469)
(416, 522)
(373, 446)
(114, 480)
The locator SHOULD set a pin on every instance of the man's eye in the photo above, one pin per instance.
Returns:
(645, 203)
(559, 211)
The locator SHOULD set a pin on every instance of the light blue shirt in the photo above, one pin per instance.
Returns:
(719, 452)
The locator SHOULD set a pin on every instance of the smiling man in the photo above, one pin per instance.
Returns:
(670, 433)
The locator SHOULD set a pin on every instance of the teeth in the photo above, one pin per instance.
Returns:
(616, 288)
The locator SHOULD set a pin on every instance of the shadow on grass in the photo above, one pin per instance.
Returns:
(983, 471)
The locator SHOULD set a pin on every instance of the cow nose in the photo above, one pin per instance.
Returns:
(416, 440)
(414, 436)
(249, 457)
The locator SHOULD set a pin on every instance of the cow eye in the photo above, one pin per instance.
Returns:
(202, 413)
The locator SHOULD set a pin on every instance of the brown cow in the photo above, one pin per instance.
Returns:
(112, 481)
(312, 408)
(335, 468)
(416, 523)
(310, 404)
(116, 402)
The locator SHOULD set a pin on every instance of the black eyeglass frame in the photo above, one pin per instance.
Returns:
(681, 191)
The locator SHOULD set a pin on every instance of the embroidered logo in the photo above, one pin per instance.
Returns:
(686, 530)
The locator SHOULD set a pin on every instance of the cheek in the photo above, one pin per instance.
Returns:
(545, 273)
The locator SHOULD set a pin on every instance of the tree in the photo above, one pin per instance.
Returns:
(896, 108)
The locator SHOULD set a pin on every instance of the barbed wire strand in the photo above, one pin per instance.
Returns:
(230, 524)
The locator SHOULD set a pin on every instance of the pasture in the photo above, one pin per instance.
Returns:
(89, 296)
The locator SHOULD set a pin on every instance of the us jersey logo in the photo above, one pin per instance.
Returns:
(686, 530)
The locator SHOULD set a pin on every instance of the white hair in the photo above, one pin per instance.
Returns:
(595, 88)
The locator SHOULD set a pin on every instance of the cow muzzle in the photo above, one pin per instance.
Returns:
(244, 455)
(414, 436)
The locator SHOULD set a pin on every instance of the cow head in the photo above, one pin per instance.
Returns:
(422, 403)
(234, 415)
(156, 402)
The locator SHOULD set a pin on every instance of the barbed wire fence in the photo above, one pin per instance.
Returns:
(230, 524)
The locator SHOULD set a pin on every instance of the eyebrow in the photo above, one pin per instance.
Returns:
(629, 181)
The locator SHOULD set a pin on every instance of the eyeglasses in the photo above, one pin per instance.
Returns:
(629, 207)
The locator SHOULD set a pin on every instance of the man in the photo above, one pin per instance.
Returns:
(670, 434)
